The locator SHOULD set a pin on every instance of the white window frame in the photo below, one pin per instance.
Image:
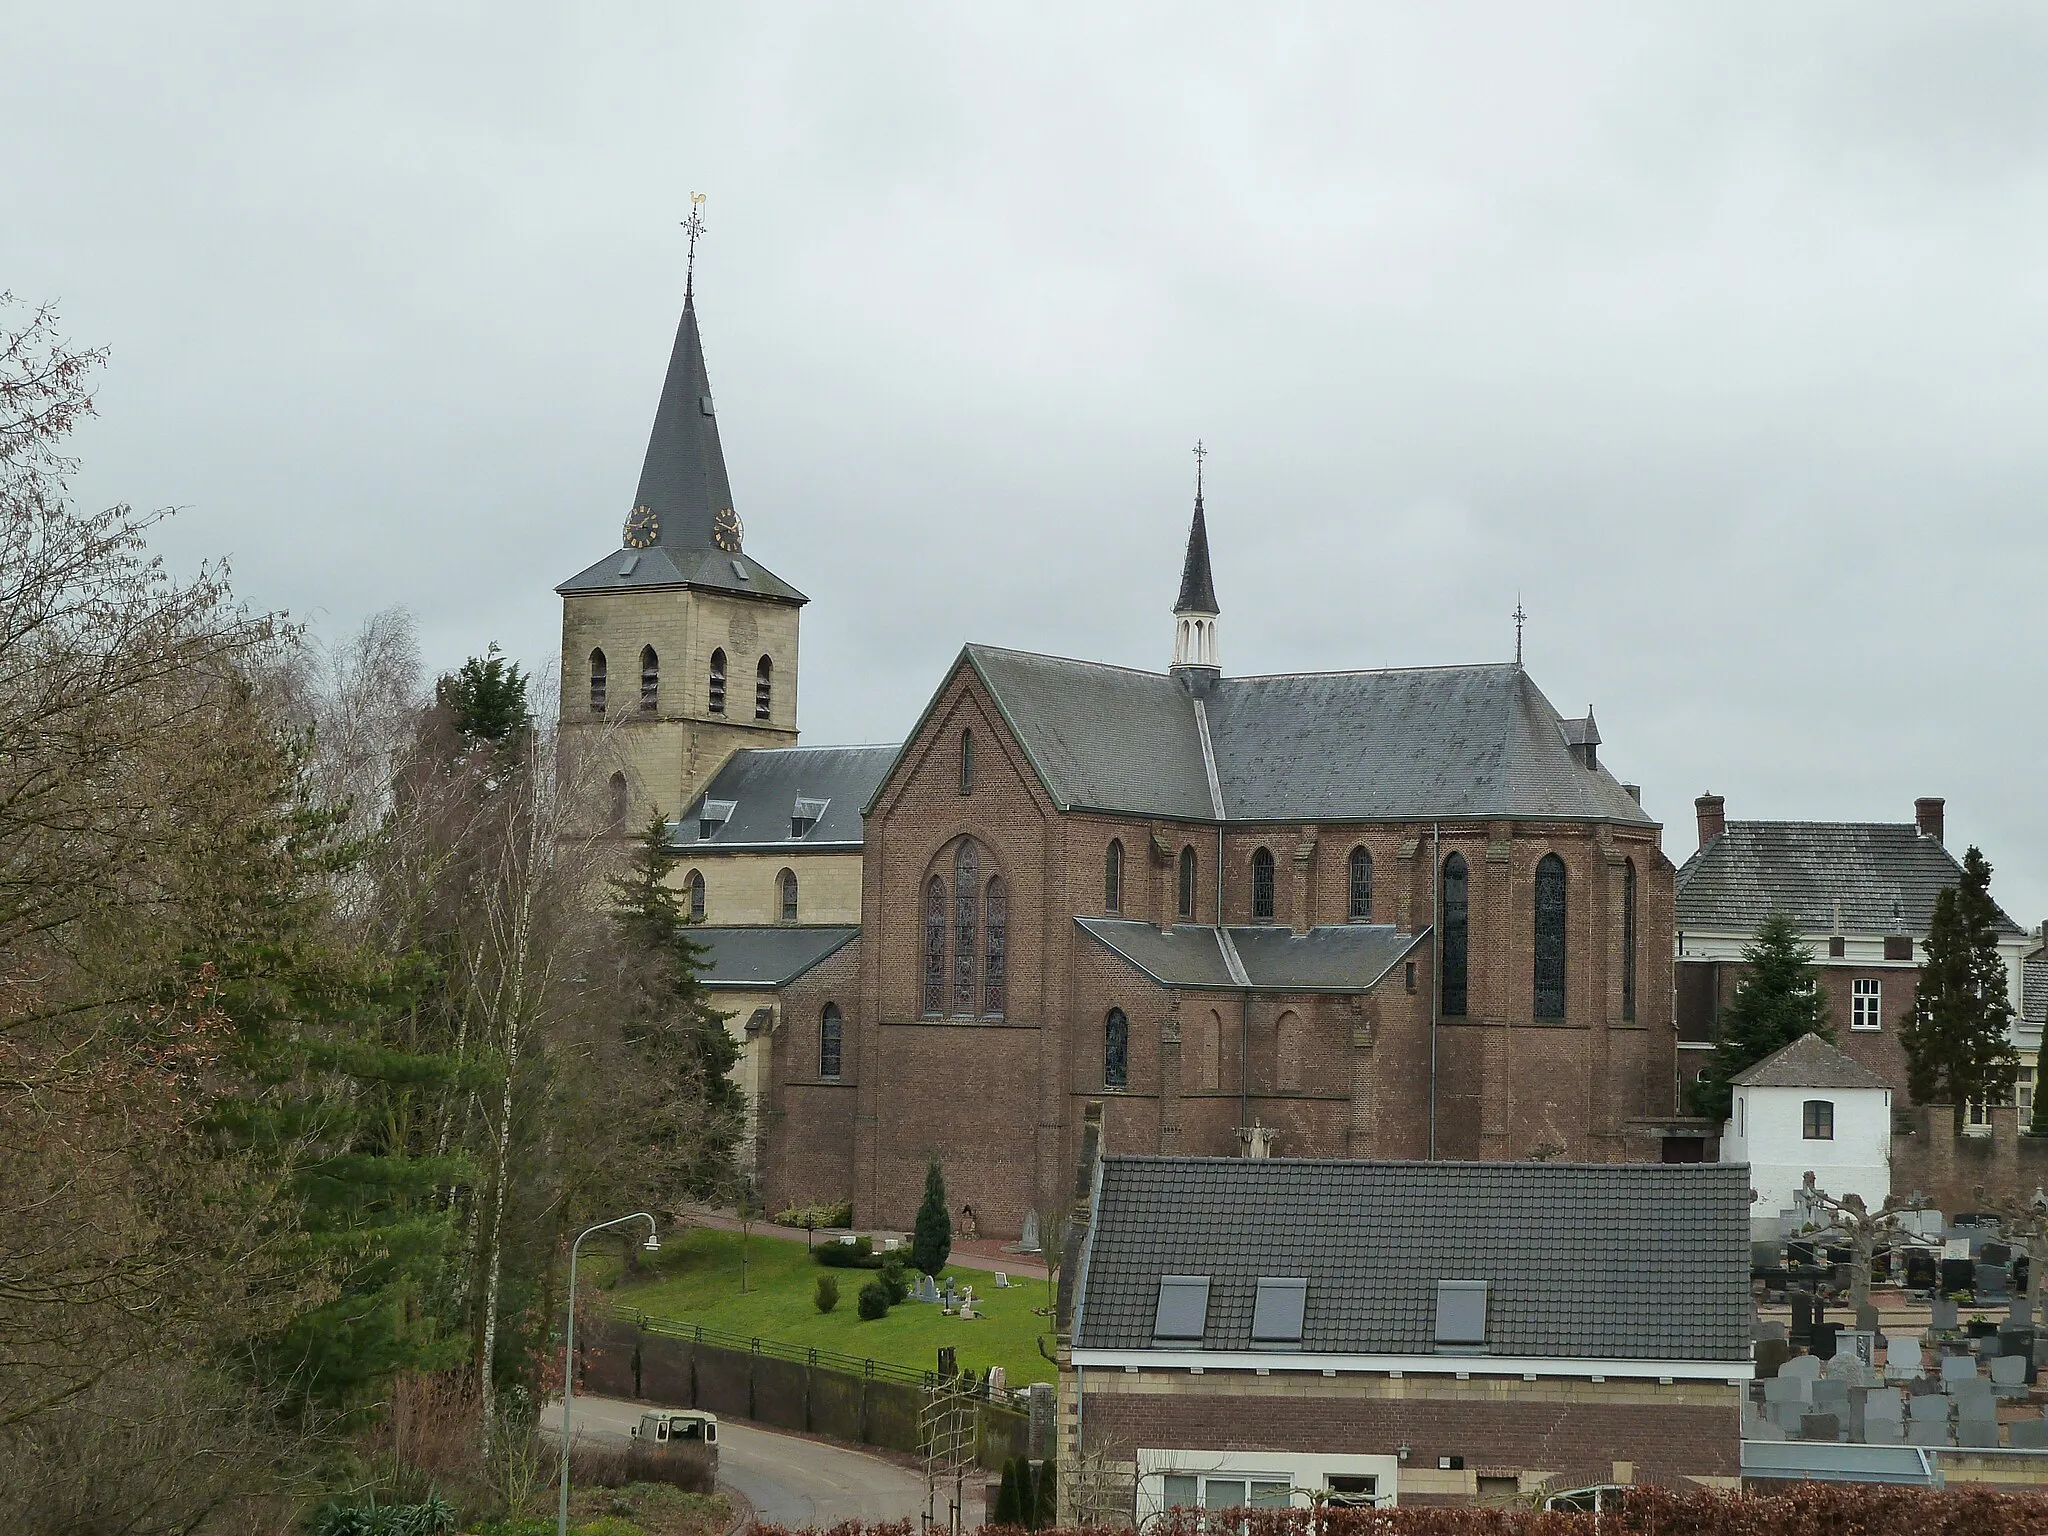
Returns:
(2023, 1094)
(1306, 1475)
(1866, 1002)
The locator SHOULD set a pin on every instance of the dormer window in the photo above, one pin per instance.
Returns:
(713, 815)
(1461, 1314)
(1182, 1313)
(806, 815)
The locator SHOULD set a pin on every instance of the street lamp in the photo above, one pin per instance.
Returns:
(653, 1245)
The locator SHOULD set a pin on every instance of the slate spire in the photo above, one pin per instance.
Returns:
(1194, 612)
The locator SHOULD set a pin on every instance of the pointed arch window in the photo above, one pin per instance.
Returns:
(1550, 920)
(650, 678)
(1116, 1050)
(1113, 877)
(695, 886)
(1628, 940)
(995, 969)
(717, 700)
(935, 946)
(966, 924)
(1187, 884)
(967, 762)
(831, 1041)
(785, 887)
(1361, 885)
(764, 676)
(1287, 1050)
(1262, 886)
(597, 682)
(621, 801)
(1455, 923)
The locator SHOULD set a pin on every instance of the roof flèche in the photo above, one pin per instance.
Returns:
(762, 785)
(1629, 1262)
(1808, 1062)
(1197, 584)
(1342, 957)
(768, 957)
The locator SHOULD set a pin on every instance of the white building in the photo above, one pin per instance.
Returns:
(1810, 1109)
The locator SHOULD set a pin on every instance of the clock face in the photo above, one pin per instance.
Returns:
(643, 527)
(725, 530)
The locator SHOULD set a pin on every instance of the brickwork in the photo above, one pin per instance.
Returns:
(1711, 985)
(805, 1122)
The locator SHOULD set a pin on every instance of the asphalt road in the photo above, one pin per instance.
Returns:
(789, 1480)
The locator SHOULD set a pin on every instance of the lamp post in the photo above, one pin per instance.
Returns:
(653, 1245)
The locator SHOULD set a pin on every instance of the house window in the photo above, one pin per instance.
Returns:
(1867, 1004)
(1262, 886)
(967, 762)
(1187, 883)
(1113, 877)
(966, 923)
(764, 676)
(1628, 940)
(695, 886)
(1456, 911)
(995, 969)
(831, 1034)
(1361, 886)
(1817, 1120)
(1273, 1490)
(1898, 946)
(785, 885)
(1550, 914)
(650, 678)
(597, 682)
(717, 700)
(2024, 1088)
(1116, 1050)
(1838, 948)
(935, 946)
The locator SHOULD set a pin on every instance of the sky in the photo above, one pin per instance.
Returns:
(1714, 335)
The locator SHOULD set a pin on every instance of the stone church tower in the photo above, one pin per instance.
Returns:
(679, 642)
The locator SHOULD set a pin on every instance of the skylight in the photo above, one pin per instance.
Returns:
(1183, 1313)
(1461, 1313)
(1278, 1310)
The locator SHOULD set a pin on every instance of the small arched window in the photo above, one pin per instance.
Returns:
(597, 682)
(966, 924)
(1262, 886)
(935, 946)
(650, 678)
(995, 970)
(785, 886)
(1456, 932)
(1550, 919)
(764, 676)
(1113, 877)
(1628, 940)
(1187, 883)
(1361, 885)
(831, 1041)
(1116, 1050)
(967, 762)
(621, 801)
(717, 700)
(695, 886)
(1287, 1051)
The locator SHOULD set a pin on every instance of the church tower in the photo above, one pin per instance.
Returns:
(679, 642)
(1194, 613)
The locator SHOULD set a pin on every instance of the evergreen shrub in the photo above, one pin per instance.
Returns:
(874, 1301)
(827, 1296)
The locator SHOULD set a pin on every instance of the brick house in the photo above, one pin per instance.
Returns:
(1264, 1331)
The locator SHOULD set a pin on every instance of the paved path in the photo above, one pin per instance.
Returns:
(789, 1479)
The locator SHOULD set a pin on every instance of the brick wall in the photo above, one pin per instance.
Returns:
(1710, 986)
(805, 1146)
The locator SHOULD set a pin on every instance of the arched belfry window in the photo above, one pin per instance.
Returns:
(966, 924)
(1116, 1050)
(717, 700)
(967, 762)
(1262, 886)
(1628, 940)
(764, 676)
(1113, 877)
(785, 887)
(597, 682)
(650, 678)
(1361, 885)
(831, 1041)
(621, 801)
(695, 886)
(935, 946)
(1455, 920)
(995, 970)
(1550, 916)
(1187, 883)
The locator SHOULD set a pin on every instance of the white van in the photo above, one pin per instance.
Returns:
(679, 1429)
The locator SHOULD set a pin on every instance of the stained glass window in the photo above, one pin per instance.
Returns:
(1116, 1050)
(650, 677)
(717, 682)
(994, 972)
(1113, 877)
(1456, 933)
(764, 676)
(1628, 940)
(935, 946)
(967, 762)
(1187, 883)
(1361, 885)
(621, 800)
(696, 885)
(831, 1036)
(1550, 937)
(966, 923)
(597, 682)
(1262, 886)
(786, 884)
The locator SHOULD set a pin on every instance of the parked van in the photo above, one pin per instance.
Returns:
(679, 1429)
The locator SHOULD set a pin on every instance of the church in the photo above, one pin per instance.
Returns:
(1404, 913)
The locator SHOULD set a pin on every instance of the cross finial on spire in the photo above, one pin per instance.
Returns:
(1201, 453)
(694, 224)
(1520, 619)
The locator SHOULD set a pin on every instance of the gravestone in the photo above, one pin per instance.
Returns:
(1767, 1429)
(1787, 1415)
(1858, 1342)
(1957, 1275)
(1820, 1426)
(1956, 1368)
(1801, 1367)
(1771, 1355)
(1927, 1432)
(1885, 1403)
(1002, 1281)
(1029, 1241)
(1830, 1395)
(1991, 1282)
(2022, 1342)
(1976, 1431)
(1884, 1432)
(1825, 1337)
(1995, 1253)
(1867, 1319)
(1944, 1314)
(1900, 1366)
(2012, 1371)
(1759, 1332)
(1923, 1270)
(1928, 1409)
(2021, 1313)
(1788, 1389)
(1803, 1311)
(2028, 1434)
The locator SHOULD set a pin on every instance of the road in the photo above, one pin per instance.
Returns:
(788, 1479)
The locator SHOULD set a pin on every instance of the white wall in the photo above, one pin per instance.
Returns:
(1305, 1473)
(1768, 1132)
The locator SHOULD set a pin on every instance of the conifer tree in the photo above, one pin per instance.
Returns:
(2039, 1127)
(931, 1238)
(1958, 1034)
(487, 699)
(1047, 1495)
(1778, 1001)
(1009, 1501)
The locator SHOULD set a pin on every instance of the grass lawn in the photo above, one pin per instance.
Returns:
(696, 1279)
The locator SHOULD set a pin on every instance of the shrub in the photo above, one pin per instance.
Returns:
(615, 1466)
(828, 1293)
(874, 1301)
(840, 1215)
(1009, 1501)
(846, 1253)
(374, 1519)
(895, 1279)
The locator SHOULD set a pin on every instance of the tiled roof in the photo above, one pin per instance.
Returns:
(763, 785)
(2034, 989)
(1434, 742)
(1635, 1262)
(768, 957)
(633, 570)
(1804, 868)
(1809, 1062)
(1343, 957)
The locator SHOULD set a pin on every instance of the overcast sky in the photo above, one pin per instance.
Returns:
(1715, 332)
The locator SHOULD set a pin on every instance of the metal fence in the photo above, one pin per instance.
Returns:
(775, 1349)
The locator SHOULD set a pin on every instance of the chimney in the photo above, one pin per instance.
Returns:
(1634, 792)
(1713, 814)
(1927, 815)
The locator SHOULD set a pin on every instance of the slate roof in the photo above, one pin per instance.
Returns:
(763, 786)
(1446, 742)
(1809, 1062)
(1197, 584)
(1348, 957)
(1802, 868)
(2034, 989)
(768, 957)
(1636, 1261)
